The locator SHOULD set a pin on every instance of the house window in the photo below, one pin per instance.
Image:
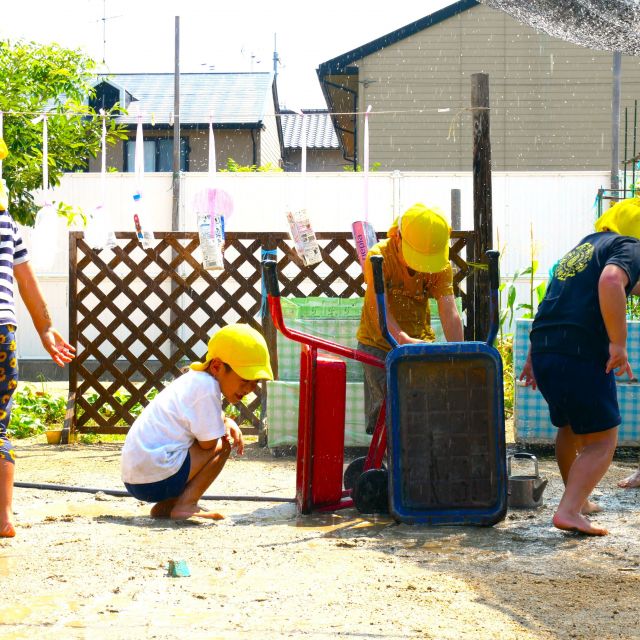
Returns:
(105, 97)
(158, 154)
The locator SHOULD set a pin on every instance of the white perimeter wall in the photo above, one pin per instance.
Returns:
(560, 206)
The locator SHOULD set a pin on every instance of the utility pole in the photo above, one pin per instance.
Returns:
(175, 211)
(175, 217)
(276, 58)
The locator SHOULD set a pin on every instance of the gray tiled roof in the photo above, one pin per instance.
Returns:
(231, 98)
(321, 134)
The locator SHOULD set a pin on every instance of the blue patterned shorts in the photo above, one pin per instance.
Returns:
(8, 384)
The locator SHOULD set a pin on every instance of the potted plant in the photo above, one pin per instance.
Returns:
(36, 412)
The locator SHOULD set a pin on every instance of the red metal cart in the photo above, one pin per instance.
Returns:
(320, 456)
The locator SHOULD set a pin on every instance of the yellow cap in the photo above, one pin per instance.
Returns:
(242, 348)
(622, 218)
(4, 152)
(425, 239)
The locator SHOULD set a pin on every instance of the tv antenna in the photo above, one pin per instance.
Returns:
(104, 19)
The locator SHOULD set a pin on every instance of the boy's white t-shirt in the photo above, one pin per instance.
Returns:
(188, 409)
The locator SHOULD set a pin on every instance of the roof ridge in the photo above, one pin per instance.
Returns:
(339, 63)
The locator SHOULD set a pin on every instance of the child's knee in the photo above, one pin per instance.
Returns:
(6, 451)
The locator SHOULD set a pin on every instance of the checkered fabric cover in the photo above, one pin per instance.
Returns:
(532, 422)
(531, 413)
(334, 319)
(282, 414)
(337, 320)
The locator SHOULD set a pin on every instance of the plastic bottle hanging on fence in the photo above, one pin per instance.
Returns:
(144, 235)
(304, 237)
(211, 235)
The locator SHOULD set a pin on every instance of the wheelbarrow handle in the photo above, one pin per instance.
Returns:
(270, 275)
(493, 260)
(378, 275)
(271, 278)
(378, 286)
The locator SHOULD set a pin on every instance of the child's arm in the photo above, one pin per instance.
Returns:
(450, 319)
(234, 435)
(613, 306)
(57, 347)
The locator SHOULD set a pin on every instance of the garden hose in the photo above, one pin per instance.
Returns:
(122, 494)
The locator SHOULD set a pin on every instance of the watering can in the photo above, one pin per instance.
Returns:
(525, 491)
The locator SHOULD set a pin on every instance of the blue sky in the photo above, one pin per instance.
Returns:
(239, 36)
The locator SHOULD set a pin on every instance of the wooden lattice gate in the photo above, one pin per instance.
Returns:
(137, 317)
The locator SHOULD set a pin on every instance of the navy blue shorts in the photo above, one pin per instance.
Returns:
(578, 391)
(170, 487)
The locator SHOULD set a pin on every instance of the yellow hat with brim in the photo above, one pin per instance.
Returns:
(241, 347)
(4, 152)
(425, 239)
(622, 218)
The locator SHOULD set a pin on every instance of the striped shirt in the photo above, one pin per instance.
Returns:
(12, 252)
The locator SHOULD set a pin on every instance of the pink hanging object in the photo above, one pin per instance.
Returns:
(364, 235)
(212, 207)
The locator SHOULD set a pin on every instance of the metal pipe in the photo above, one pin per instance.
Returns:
(175, 210)
(635, 132)
(626, 131)
(615, 121)
(123, 494)
(456, 210)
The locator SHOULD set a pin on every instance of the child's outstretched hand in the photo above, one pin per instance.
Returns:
(57, 347)
(234, 435)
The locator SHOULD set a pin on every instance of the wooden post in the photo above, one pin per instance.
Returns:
(69, 425)
(482, 217)
(268, 250)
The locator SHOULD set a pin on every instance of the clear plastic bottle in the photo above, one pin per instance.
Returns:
(212, 257)
(144, 235)
(98, 234)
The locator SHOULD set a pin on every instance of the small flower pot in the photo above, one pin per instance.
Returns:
(53, 436)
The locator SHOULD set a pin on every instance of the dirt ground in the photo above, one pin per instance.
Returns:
(95, 566)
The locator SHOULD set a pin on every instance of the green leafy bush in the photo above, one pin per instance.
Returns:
(35, 411)
(505, 348)
(121, 397)
(234, 167)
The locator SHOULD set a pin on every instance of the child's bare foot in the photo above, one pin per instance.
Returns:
(631, 481)
(184, 511)
(163, 508)
(7, 530)
(571, 522)
(590, 507)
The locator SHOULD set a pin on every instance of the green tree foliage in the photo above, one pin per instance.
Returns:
(234, 167)
(38, 78)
